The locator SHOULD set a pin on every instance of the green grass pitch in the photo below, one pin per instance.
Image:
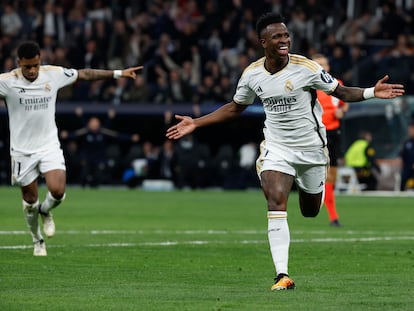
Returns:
(122, 249)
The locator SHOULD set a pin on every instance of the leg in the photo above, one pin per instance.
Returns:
(310, 203)
(276, 187)
(329, 200)
(310, 182)
(56, 183)
(30, 192)
(31, 213)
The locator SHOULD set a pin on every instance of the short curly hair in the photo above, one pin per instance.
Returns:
(28, 49)
(267, 19)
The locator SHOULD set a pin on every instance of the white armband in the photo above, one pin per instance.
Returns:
(369, 93)
(117, 74)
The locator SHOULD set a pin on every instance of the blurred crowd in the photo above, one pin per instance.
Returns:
(194, 51)
(97, 155)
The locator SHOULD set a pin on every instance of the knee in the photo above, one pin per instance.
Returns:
(58, 194)
(30, 198)
(276, 205)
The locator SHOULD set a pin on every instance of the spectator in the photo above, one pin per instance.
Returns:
(11, 23)
(168, 161)
(224, 90)
(93, 58)
(118, 44)
(99, 34)
(179, 90)
(407, 160)
(223, 166)
(193, 164)
(147, 162)
(207, 91)
(8, 64)
(392, 22)
(161, 88)
(361, 155)
(247, 177)
(31, 20)
(191, 69)
(114, 93)
(138, 92)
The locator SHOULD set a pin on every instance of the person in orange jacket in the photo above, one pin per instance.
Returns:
(333, 111)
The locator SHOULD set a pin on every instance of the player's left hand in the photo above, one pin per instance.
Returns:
(130, 72)
(387, 90)
(184, 127)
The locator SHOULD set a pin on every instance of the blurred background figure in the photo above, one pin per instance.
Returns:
(361, 155)
(248, 153)
(407, 160)
(193, 164)
(334, 110)
(99, 152)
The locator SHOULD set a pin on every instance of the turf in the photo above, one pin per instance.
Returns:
(122, 249)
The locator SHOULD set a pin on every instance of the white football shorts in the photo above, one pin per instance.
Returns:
(308, 167)
(26, 168)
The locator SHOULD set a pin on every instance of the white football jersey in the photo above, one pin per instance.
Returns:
(293, 114)
(32, 105)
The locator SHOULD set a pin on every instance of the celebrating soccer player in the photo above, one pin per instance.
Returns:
(30, 93)
(294, 146)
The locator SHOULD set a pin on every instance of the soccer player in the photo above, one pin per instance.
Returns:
(333, 111)
(30, 93)
(294, 146)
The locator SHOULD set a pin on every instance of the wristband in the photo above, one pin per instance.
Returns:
(117, 74)
(369, 93)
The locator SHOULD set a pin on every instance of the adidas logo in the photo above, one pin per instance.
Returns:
(259, 90)
(22, 91)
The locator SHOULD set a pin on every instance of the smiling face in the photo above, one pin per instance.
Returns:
(30, 67)
(275, 40)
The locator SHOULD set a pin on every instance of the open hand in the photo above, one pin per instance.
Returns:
(387, 90)
(184, 127)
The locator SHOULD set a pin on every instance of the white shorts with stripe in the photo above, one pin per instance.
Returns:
(308, 167)
(26, 168)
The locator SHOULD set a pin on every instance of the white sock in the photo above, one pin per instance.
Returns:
(279, 240)
(50, 202)
(31, 215)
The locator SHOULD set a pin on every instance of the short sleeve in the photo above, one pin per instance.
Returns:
(244, 94)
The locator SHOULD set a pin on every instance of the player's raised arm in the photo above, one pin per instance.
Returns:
(187, 124)
(99, 74)
(382, 89)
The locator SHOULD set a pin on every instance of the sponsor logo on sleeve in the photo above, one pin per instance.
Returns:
(68, 72)
(326, 77)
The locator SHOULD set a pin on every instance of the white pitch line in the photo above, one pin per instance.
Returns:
(208, 232)
(201, 242)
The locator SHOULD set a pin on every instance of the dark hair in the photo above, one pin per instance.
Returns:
(267, 19)
(28, 49)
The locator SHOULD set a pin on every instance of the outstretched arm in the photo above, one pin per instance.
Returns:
(187, 124)
(100, 74)
(381, 90)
